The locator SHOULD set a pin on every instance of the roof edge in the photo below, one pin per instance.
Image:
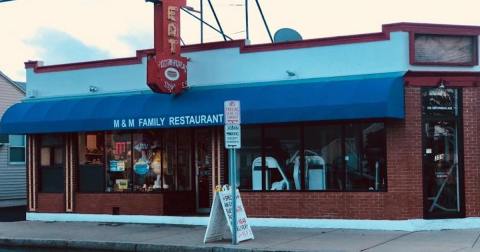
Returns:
(446, 29)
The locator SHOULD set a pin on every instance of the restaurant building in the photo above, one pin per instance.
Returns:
(380, 126)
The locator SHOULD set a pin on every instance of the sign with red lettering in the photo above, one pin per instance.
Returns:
(167, 70)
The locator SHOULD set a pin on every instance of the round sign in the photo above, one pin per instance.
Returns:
(172, 74)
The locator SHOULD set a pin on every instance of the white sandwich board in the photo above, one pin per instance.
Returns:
(220, 219)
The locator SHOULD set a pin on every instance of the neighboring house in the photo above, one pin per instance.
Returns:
(12, 149)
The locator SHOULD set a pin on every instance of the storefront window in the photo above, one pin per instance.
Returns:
(52, 163)
(91, 157)
(249, 159)
(313, 157)
(119, 162)
(365, 147)
(282, 158)
(169, 154)
(145, 147)
(323, 168)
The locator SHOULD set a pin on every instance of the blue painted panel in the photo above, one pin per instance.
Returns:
(229, 66)
(276, 103)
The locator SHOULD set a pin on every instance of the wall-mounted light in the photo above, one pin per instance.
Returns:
(93, 89)
(441, 84)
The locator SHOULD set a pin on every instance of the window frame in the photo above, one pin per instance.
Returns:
(10, 146)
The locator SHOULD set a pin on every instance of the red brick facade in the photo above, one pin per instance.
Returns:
(471, 126)
(135, 203)
(51, 202)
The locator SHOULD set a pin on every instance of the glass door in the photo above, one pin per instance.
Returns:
(442, 165)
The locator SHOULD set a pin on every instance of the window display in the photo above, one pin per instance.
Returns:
(119, 162)
(146, 161)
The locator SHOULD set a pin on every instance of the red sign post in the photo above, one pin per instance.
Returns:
(166, 69)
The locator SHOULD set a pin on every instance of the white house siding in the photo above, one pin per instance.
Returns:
(12, 177)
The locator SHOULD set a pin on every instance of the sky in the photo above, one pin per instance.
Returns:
(63, 31)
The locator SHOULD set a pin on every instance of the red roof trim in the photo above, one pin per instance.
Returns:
(451, 79)
(360, 38)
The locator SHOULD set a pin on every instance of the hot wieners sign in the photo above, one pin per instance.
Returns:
(166, 69)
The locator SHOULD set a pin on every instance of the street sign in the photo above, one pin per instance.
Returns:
(232, 112)
(232, 143)
(233, 136)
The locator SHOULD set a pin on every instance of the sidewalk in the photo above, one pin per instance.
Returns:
(136, 237)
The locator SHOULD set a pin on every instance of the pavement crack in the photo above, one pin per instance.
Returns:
(387, 241)
(301, 238)
(460, 249)
(476, 240)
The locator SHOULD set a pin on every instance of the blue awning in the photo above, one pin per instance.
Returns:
(361, 98)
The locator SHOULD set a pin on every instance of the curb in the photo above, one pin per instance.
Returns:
(116, 246)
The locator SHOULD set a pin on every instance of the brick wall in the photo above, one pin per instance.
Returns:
(51, 203)
(168, 203)
(404, 199)
(471, 110)
(129, 203)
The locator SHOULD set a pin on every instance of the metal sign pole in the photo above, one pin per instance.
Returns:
(233, 184)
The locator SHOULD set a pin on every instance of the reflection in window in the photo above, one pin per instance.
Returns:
(251, 150)
(169, 154)
(119, 162)
(184, 155)
(282, 153)
(365, 156)
(323, 157)
(328, 157)
(52, 164)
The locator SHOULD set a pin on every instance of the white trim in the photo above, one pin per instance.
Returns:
(403, 225)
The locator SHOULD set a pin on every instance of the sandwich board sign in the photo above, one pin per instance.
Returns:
(220, 219)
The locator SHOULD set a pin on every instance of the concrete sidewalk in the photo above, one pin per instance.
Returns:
(135, 237)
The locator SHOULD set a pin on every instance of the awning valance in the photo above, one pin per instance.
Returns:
(361, 98)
